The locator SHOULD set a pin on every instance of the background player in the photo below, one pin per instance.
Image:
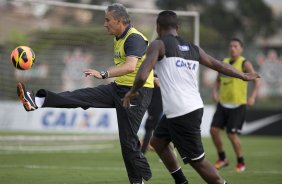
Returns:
(231, 95)
(155, 112)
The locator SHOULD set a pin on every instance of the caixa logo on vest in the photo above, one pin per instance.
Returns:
(117, 55)
(186, 64)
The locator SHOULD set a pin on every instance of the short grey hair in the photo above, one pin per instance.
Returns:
(119, 12)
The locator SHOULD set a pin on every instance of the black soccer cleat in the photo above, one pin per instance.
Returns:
(27, 98)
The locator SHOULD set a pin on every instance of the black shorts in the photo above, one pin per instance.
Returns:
(155, 110)
(185, 133)
(231, 119)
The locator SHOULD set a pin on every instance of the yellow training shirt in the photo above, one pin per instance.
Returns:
(120, 58)
(233, 90)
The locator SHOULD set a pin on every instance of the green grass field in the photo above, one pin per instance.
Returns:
(27, 158)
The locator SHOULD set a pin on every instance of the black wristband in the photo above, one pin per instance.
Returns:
(104, 74)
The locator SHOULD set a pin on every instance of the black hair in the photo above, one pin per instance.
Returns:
(237, 40)
(167, 19)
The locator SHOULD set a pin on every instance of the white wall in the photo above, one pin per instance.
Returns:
(14, 117)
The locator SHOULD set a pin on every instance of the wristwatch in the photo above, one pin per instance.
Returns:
(104, 74)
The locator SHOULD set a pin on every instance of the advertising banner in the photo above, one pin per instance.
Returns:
(14, 117)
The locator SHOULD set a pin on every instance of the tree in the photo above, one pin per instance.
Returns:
(248, 19)
(256, 17)
(178, 4)
(90, 1)
(225, 22)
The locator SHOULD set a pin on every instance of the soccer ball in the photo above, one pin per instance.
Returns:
(23, 57)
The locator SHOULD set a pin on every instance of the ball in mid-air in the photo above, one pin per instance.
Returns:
(23, 57)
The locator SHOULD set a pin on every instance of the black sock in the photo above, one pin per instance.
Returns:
(240, 160)
(221, 155)
(179, 177)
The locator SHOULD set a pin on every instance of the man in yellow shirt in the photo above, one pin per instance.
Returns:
(129, 52)
(231, 95)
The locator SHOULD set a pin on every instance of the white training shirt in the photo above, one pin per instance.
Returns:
(177, 73)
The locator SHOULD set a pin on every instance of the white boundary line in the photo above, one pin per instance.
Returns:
(53, 148)
(58, 137)
(272, 172)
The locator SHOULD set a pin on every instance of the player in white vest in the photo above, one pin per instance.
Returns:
(176, 62)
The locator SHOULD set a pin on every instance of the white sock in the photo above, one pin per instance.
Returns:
(39, 101)
(175, 170)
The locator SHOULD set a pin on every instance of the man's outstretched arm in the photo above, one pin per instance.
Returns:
(224, 68)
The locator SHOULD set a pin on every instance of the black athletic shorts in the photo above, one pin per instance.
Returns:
(155, 110)
(185, 133)
(231, 119)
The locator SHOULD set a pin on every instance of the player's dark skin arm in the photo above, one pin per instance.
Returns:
(155, 51)
(216, 89)
(224, 68)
